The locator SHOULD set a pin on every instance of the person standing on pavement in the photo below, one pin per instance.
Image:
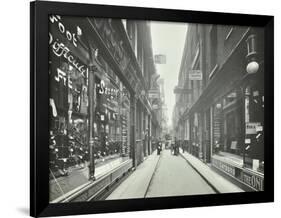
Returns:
(175, 146)
(183, 146)
(159, 147)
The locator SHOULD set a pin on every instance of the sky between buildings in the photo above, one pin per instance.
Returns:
(168, 39)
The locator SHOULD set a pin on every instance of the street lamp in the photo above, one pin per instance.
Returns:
(252, 66)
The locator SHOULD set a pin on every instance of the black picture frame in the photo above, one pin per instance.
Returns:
(39, 172)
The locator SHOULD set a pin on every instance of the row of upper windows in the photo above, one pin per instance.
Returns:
(133, 33)
(193, 60)
(219, 42)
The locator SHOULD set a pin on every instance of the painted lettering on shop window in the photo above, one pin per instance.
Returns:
(61, 75)
(105, 90)
(67, 33)
(113, 92)
(254, 181)
(60, 50)
(224, 167)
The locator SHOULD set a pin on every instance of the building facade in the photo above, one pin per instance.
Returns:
(221, 85)
(101, 72)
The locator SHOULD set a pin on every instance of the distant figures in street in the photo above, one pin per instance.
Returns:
(175, 147)
(159, 146)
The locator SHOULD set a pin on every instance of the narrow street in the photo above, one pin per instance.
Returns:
(174, 177)
(164, 175)
(125, 90)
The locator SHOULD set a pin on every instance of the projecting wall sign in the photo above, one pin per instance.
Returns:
(195, 75)
(251, 128)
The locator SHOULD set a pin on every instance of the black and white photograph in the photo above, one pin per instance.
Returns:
(133, 109)
(147, 109)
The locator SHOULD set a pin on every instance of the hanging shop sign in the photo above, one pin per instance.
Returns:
(233, 145)
(251, 128)
(195, 75)
(155, 107)
(153, 93)
(179, 90)
(160, 59)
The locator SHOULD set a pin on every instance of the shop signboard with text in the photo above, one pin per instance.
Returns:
(154, 93)
(252, 128)
(195, 75)
(248, 177)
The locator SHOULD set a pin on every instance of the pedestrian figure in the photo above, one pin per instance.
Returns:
(175, 146)
(172, 147)
(159, 147)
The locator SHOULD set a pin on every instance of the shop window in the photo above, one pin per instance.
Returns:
(233, 140)
(255, 128)
(69, 121)
(230, 99)
(112, 119)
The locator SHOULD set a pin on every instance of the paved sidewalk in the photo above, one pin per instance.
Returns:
(136, 185)
(79, 177)
(221, 184)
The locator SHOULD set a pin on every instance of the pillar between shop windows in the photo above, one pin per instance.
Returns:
(133, 129)
(91, 120)
(149, 134)
(244, 91)
(91, 112)
(145, 131)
